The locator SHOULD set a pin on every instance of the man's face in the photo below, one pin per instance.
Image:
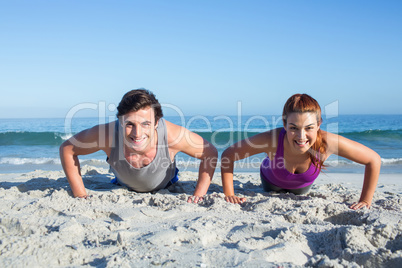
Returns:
(140, 129)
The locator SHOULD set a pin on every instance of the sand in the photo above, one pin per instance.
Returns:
(41, 225)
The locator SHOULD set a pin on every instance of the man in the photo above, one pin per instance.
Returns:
(141, 148)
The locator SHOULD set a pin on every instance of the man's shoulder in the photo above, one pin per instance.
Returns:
(104, 132)
(171, 126)
(175, 133)
(107, 127)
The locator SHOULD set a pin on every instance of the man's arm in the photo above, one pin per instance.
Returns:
(86, 142)
(181, 139)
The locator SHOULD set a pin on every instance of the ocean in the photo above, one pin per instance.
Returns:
(32, 144)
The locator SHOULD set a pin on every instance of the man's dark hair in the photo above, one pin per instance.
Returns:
(138, 99)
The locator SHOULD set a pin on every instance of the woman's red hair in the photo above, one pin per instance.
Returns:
(303, 103)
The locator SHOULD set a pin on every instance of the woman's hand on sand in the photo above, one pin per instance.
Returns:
(195, 199)
(359, 205)
(235, 199)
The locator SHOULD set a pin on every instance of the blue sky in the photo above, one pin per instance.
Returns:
(202, 56)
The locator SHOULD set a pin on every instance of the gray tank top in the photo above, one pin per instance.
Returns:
(152, 177)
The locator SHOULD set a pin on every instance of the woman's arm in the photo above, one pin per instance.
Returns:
(260, 143)
(360, 154)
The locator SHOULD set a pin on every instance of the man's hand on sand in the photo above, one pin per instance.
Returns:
(195, 199)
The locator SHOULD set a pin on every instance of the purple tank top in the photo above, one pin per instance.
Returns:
(276, 173)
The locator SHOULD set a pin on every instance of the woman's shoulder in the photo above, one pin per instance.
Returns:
(332, 141)
(268, 139)
(274, 133)
(330, 137)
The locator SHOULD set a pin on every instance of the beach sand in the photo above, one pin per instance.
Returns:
(42, 225)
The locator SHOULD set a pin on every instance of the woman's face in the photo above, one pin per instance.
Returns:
(301, 131)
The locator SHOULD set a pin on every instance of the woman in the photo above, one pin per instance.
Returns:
(296, 153)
